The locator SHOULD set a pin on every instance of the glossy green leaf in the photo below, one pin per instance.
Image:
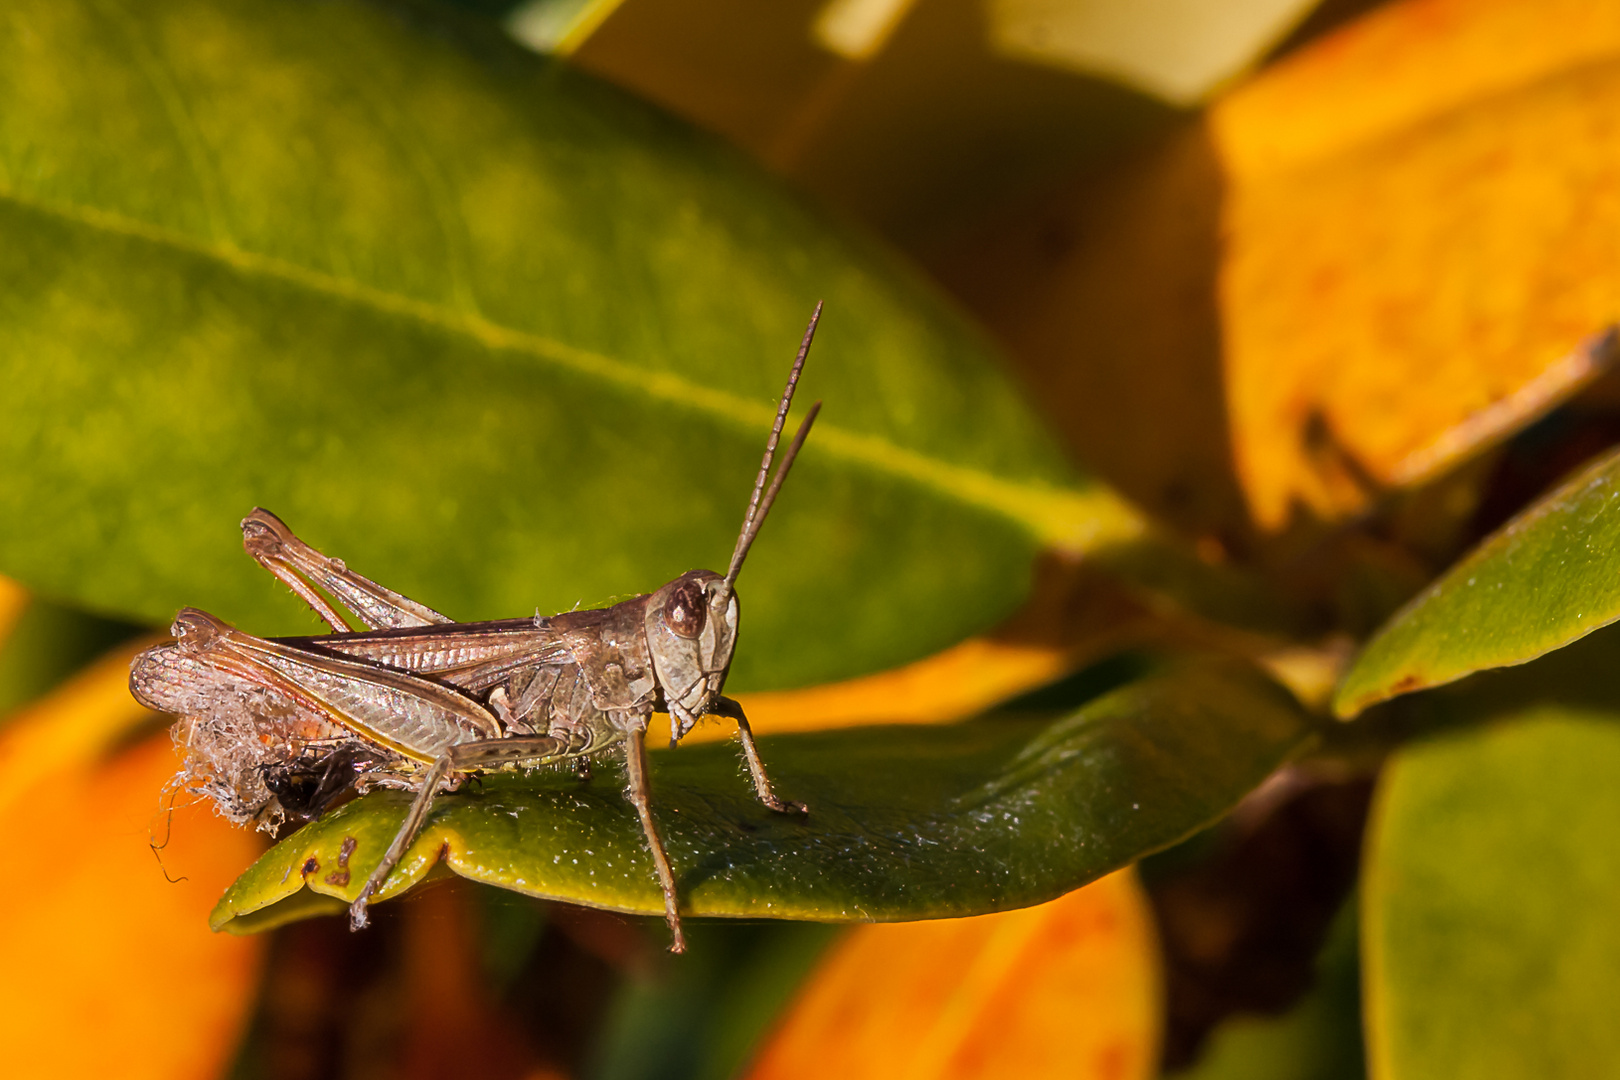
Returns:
(1548, 577)
(497, 335)
(1490, 942)
(905, 822)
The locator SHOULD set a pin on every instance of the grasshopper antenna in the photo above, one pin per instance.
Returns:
(759, 504)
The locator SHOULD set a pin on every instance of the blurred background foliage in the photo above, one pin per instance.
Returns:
(1200, 382)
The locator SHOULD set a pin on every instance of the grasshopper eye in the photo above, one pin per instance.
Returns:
(685, 612)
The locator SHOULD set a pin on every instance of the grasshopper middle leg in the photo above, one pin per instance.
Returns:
(640, 792)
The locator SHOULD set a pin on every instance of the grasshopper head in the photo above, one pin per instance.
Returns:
(692, 621)
(691, 632)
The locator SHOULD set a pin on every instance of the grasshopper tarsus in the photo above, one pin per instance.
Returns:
(416, 700)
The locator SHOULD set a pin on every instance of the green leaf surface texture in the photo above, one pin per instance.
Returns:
(1547, 578)
(497, 335)
(904, 822)
(1490, 943)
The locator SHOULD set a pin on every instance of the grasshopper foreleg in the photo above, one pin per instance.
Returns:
(756, 765)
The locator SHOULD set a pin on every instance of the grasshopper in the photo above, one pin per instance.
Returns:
(276, 729)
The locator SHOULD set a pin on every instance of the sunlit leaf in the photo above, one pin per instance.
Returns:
(1070, 988)
(1489, 933)
(1545, 579)
(1178, 50)
(905, 823)
(556, 26)
(122, 976)
(1419, 237)
(495, 334)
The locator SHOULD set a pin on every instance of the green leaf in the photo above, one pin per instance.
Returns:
(497, 335)
(1547, 578)
(905, 822)
(1490, 942)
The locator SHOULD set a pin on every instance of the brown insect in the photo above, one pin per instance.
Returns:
(276, 729)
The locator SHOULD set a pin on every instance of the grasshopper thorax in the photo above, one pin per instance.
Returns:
(691, 626)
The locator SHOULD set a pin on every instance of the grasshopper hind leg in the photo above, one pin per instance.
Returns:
(301, 568)
(524, 750)
(464, 757)
(536, 750)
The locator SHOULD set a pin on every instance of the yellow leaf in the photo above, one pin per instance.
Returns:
(1070, 989)
(1381, 254)
(1073, 619)
(1421, 230)
(1400, 67)
(954, 684)
(1177, 50)
(114, 971)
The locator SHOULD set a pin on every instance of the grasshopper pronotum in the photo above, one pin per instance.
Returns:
(281, 727)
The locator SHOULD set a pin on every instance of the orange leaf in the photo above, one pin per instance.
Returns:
(1072, 619)
(1381, 254)
(1069, 988)
(13, 598)
(114, 970)
(1422, 228)
(951, 685)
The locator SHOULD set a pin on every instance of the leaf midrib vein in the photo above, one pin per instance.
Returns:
(1074, 520)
